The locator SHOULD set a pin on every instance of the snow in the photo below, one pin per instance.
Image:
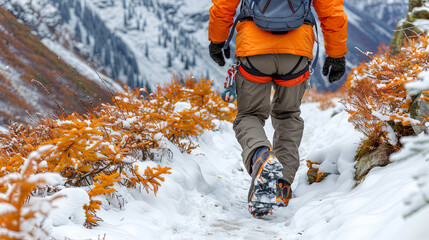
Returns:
(205, 197)
(416, 87)
(6, 207)
(422, 24)
(69, 208)
(181, 106)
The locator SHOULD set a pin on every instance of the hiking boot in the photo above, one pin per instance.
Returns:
(266, 170)
(284, 192)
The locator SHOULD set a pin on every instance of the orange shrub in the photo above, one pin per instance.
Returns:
(19, 218)
(100, 149)
(103, 185)
(313, 173)
(378, 102)
(325, 99)
(176, 112)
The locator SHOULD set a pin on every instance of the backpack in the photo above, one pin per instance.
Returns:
(278, 15)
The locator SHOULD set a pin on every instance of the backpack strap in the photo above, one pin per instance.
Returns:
(231, 33)
(296, 65)
(314, 62)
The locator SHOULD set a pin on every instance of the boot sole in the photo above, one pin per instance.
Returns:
(263, 194)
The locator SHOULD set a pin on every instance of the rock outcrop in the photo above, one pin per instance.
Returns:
(415, 24)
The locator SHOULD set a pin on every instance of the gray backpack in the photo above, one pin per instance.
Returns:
(278, 15)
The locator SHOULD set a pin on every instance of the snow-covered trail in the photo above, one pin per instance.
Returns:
(206, 196)
(235, 222)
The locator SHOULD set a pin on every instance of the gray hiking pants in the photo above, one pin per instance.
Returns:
(254, 107)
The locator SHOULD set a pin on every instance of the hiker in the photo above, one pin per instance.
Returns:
(280, 60)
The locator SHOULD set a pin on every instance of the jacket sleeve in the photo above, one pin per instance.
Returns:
(333, 22)
(221, 19)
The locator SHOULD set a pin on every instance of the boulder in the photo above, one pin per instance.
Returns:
(376, 158)
(415, 3)
(418, 109)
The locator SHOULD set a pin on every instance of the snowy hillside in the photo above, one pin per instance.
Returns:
(205, 197)
(144, 41)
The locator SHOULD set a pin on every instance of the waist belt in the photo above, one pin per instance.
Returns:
(287, 80)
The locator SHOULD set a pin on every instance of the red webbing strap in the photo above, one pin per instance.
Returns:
(253, 78)
(294, 81)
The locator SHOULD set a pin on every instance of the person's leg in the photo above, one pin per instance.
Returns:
(285, 116)
(253, 105)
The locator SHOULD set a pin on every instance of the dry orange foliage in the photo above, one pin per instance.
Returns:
(204, 97)
(103, 185)
(313, 173)
(18, 217)
(82, 150)
(378, 102)
(175, 112)
(99, 150)
(325, 99)
(315, 170)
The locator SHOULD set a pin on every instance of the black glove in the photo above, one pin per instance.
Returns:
(216, 53)
(337, 66)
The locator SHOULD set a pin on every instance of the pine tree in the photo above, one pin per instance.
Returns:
(169, 60)
(78, 33)
(186, 67)
(125, 19)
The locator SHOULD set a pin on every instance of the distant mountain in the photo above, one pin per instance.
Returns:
(142, 42)
(387, 11)
(370, 25)
(31, 76)
(372, 22)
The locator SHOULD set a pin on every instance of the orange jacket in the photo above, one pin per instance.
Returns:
(250, 40)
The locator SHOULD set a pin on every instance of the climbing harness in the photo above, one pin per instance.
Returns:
(288, 80)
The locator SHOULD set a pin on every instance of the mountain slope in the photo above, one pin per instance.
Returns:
(25, 65)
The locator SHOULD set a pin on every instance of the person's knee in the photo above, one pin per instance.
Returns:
(293, 112)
